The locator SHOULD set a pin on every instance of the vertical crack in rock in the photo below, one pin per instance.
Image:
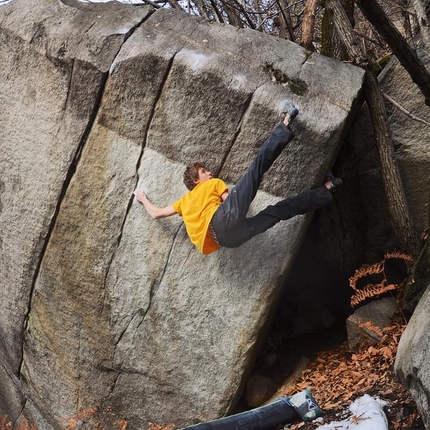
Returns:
(68, 89)
(70, 173)
(157, 281)
(141, 313)
(308, 56)
(138, 163)
(130, 202)
(160, 277)
(18, 416)
(128, 34)
(139, 160)
(14, 379)
(112, 388)
(236, 134)
(79, 396)
(151, 115)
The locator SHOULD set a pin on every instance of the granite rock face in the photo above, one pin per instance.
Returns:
(101, 305)
(413, 358)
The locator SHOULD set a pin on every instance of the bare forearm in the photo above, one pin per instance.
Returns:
(150, 208)
(154, 211)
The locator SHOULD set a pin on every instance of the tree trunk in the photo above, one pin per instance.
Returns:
(327, 48)
(345, 30)
(348, 6)
(406, 21)
(201, 7)
(401, 49)
(396, 199)
(286, 30)
(217, 14)
(308, 25)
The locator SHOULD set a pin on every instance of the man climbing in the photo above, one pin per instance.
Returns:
(215, 217)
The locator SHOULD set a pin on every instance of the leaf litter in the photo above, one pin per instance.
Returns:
(339, 376)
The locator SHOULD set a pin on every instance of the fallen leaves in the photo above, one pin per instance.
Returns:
(7, 425)
(338, 376)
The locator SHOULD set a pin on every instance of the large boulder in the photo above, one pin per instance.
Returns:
(412, 364)
(103, 306)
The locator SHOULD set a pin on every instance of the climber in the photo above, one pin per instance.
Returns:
(215, 217)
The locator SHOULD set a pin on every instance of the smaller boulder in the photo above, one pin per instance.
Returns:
(366, 323)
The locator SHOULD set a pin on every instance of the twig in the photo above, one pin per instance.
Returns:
(404, 110)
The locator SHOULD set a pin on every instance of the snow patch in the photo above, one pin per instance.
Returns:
(367, 414)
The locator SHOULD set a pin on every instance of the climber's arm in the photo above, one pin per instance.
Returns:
(153, 210)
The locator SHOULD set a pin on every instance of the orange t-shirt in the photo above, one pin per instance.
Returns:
(197, 208)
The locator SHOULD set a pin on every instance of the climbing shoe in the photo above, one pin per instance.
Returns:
(335, 183)
(305, 405)
(328, 176)
(290, 110)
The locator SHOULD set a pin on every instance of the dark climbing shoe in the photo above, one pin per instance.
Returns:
(290, 110)
(335, 183)
(305, 405)
(328, 176)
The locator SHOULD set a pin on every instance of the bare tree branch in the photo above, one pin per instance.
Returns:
(401, 108)
(217, 13)
(401, 49)
(232, 13)
(286, 28)
(175, 4)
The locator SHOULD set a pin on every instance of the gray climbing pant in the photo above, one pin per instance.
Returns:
(230, 225)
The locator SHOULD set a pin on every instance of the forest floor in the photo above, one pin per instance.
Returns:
(338, 376)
